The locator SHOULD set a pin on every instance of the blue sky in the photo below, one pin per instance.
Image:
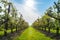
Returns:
(45, 4)
(32, 9)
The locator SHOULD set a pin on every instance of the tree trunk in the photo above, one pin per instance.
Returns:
(49, 29)
(6, 27)
(11, 28)
(16, 28)
(57, 31)
(42, 28)
(45, 28)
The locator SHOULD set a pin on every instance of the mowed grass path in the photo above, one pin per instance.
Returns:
(32, 34)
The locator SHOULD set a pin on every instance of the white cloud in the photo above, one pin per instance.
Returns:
(28, 10)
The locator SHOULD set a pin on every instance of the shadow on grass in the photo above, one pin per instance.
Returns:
(51, 35)
(11, 36)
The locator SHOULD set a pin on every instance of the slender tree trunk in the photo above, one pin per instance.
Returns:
(57, 31)
(6, 27)
(42, 28)
(45, 28)
(49, 29)
(11, 28)
(16, 28)
(6, 23)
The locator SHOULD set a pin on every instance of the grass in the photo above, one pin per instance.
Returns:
(1, 33)
(8, 31)
(52, 30)
(32, 34)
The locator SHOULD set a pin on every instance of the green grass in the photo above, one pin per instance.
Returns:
(52, 30)
(8, 31)
(32, 34)
(1, 33)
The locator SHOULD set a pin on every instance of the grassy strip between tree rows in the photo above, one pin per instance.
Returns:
(32, 34)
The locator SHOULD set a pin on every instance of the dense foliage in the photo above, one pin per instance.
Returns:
(9, 19)
(51, 19)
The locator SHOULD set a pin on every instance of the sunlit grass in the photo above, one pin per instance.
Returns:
(1, 33)
(32, 34)
(8, 31)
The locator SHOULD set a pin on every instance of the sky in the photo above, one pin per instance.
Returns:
(32, 9)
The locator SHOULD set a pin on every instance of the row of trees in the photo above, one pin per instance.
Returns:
(51, 19)
(9, 19)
